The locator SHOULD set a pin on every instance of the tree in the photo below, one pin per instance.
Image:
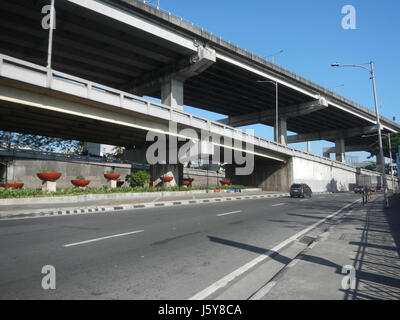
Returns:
(39, 143)
(115, 154)
(395, 139)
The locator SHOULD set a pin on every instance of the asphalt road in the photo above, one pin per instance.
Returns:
(159, 253)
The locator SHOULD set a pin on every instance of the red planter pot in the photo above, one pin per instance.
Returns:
(167, 179)
(12, 185)
(80, 183)
(187, 182)
(49, 176)
(225, 182)
(112, 176)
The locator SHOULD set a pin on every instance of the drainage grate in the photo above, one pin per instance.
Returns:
(307, 240)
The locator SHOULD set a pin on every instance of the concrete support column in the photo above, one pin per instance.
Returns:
(282, 132)
(93, 149)
(340, 150)
(308, 146)
(172, 93)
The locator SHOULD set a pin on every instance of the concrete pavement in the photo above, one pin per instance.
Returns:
(366, 239)
(159, 253)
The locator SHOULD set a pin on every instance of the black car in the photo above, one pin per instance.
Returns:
(358, 189)
(300, 190)
(362, 189)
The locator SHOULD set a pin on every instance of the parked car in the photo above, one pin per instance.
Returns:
(300, 190)
(362, 189)
(358, 189)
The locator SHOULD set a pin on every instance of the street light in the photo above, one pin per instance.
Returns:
(273, 55)
(276, 106)
(335, 87)
(378, 121)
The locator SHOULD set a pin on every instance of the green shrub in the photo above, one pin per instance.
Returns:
(139, 179)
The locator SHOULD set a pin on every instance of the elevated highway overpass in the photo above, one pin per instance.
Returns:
(73, 108)
(107, 55)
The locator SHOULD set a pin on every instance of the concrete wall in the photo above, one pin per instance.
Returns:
(329, 178)
(25, 170)
(202, 176)
(268, 174)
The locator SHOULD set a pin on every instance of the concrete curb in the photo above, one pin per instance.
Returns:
(20, 214)
(106, 196)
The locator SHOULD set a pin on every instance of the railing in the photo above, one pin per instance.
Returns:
(69, 84)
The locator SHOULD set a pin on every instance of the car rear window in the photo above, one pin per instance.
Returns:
(296, 186)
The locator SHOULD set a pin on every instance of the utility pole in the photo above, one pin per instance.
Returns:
(378, 123)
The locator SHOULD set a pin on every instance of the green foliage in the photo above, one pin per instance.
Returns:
(39, 143)
(139, 179)
(80, 178)
(116, 153)
(395, 140)
(34, 193)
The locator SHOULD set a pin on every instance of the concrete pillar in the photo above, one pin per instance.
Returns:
(172, 93)
(340, 150)
(112, 184)
(308, 146)
(49, 186)
(282, 132)
(93, 149)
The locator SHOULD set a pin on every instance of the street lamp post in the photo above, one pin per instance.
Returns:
(276, 106)
(273, 56)
(391, 161)
(378, 122)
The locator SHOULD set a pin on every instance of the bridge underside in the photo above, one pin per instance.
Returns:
(115, 53)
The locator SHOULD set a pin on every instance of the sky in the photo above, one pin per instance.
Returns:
(310, 33)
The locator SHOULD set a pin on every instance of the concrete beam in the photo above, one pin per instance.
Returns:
(179, 71)
(269, 115)
(332, 135)
(350, 148)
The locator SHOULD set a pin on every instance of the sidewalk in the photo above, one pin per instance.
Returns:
(367, 238)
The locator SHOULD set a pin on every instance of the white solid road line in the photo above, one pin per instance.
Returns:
(238, 272)
(279, 204)
(225, 214)
(102, 238)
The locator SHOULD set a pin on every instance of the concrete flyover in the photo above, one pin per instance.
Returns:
(74, 108)
(108, 54)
